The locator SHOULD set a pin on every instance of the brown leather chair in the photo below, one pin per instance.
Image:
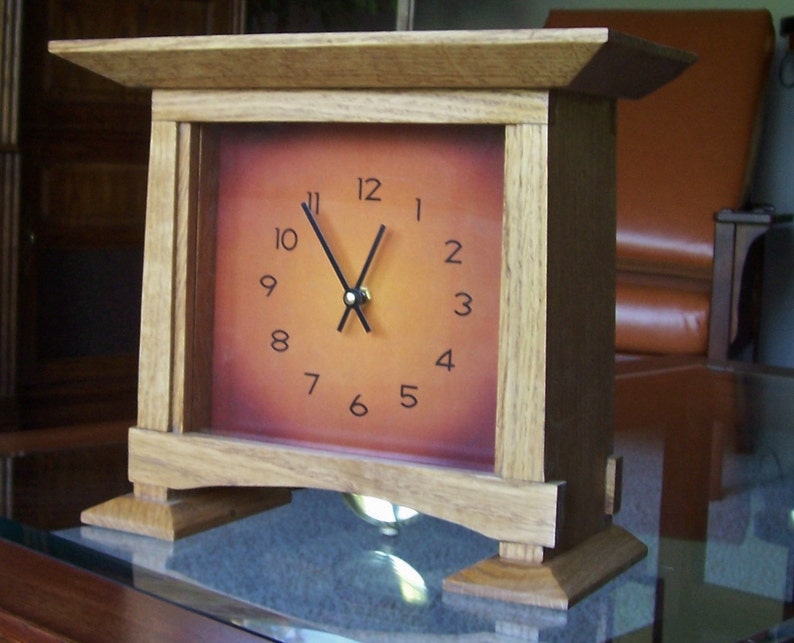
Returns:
(684, 153)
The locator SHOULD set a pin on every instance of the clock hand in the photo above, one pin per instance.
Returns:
(353, 297)
(363, 274)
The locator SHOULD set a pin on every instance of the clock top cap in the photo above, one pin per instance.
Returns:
(587, 60)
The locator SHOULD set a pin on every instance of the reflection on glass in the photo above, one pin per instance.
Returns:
(409, 581)
(382, 513)
(383, 578)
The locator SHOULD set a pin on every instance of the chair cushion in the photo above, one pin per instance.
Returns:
(659, 319)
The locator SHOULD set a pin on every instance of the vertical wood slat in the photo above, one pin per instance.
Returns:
(204, 281)
(9, 234)
(184, 272)
(168, 399)
(157, 304)
(581, 308)
(522, 333)
(557, 316)
(10, 48)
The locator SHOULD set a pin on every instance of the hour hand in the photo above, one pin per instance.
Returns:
(358, 288)
(353, 297)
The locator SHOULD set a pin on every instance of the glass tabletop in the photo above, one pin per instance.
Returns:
(708, 486)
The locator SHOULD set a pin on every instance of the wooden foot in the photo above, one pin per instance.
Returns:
(558, 583)
(182, 513)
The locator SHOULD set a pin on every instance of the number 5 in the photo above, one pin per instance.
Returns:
(409, 400)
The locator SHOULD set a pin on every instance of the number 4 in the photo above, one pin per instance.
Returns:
(445, 360)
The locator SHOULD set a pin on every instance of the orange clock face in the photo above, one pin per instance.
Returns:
(357, 288)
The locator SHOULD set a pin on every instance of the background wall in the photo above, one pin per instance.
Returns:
(774, 182)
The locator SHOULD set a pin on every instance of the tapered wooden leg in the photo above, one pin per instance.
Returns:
(168, 514)
(557, 583)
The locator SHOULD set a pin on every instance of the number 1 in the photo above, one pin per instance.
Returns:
(313, 199)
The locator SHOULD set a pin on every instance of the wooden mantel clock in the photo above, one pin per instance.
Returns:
(384, 264)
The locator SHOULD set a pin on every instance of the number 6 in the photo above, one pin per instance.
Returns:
(357, 408)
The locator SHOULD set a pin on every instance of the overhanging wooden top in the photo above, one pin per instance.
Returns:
(590, 60)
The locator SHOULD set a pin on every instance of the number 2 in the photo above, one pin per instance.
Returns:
(457, 247)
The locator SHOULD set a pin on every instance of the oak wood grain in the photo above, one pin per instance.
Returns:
(557, 584)
(515, 511)
(521, 391)
(523, 320)
(157, 304)
(202, 298)
(351, 106)
(594, 60)
(186, 221)
(169, 515)
(580, 331)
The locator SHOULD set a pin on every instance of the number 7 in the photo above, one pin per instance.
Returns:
(315, 378)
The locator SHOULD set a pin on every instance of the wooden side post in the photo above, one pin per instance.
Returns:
(165, 397)
(556, 405)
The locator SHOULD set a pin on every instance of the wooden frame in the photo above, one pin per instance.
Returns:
(554, 94)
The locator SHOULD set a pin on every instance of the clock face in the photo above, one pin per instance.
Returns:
(357, 288)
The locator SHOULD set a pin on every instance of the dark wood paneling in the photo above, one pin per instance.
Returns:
(84, 145)
(50, 475)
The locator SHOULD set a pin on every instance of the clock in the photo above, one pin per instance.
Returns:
(383, 264)
(357, 288)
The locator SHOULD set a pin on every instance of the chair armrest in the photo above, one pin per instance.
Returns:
(737, 271)
(758, 215)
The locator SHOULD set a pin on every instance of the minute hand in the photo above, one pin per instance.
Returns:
(364, 270)
(334, 264)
